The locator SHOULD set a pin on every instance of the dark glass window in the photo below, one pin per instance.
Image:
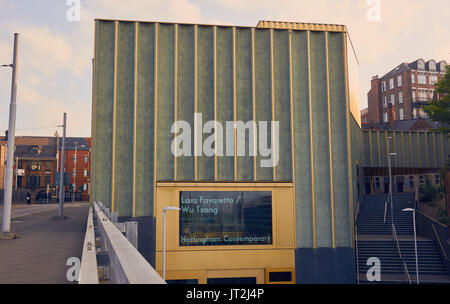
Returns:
(182, 282)
(218, 218)
(249, 280)
(285, 276)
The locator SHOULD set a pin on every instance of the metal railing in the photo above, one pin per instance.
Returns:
(355, 221)
(405, 268)
(126, 264)
(385, 211)
(88, 267)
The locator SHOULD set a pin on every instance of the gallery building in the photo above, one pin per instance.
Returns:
(253, 132)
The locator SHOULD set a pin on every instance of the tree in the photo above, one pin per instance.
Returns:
(439, 110)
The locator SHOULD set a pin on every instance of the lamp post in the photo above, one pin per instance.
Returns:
(390, 180)
(6, 225)
(415, 240)
(164, 237)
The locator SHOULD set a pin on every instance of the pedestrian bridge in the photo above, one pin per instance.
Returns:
(110, 252)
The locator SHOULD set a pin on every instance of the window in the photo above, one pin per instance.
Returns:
(421, 179)
(422, 77)
(433, 78)
(411, 181)
(34, 166)
(85, 187)
(384, 102)
(414, 94)
(48, 165)
(85, 172)
(383, 86)
(400, 97)
(212, 218)
(74, 172)
(423, 94)
(401, 115)
(377, 182)
(392, 99)
(431, 93)
(421, 64)
(385, 117)
(432, 65)
(437, 179)
(413, 77)
(391, 83)
(86, 158)
(399, 81)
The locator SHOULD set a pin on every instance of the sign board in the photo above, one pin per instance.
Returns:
(20, 172)
(220, 218)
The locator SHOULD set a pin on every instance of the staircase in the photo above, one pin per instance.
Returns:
(375, 240)
(371, 218)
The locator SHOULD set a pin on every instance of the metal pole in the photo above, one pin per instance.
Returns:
(390, 182)
(164, 244)
(415, 246)
(17, 168)
(61, 174)
(6, 226)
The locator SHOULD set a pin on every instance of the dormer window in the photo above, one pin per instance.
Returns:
(442, 65)
(432, 65)
(421, 64)
(37, 150)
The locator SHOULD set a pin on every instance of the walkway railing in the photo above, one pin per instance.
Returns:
(126, 264)
(395, 238)
(88, 269)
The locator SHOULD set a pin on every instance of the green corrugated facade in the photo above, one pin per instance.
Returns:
(147, 75)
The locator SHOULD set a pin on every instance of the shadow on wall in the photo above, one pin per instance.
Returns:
(18, 196)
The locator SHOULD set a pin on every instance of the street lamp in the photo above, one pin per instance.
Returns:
(415, 240)
(164, 236)
(390, 181)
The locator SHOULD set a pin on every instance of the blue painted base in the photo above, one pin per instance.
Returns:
(325, 266)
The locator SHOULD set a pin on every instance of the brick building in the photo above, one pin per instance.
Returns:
(77, 163)
(401, 93)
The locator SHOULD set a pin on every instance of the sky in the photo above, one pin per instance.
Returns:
(56, 47)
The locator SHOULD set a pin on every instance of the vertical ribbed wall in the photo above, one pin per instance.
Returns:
(148, 75)
(415, 149)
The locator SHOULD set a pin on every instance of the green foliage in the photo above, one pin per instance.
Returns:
(428, 192)
(442, 216)
(439, 110)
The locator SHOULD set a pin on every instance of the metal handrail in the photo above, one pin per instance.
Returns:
(405, 268)
(358, 204)
(385, 210)
(440, 244)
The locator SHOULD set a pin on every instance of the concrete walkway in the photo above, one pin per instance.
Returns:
(40, 253)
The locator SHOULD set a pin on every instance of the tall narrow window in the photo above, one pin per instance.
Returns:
(391, 83)
(400, 97)
(399, 81)
(413, 77)
(401, 114)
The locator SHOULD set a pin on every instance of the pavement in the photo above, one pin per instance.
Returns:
(40, 254)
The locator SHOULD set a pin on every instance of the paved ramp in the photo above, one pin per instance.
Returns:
(40, 253)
